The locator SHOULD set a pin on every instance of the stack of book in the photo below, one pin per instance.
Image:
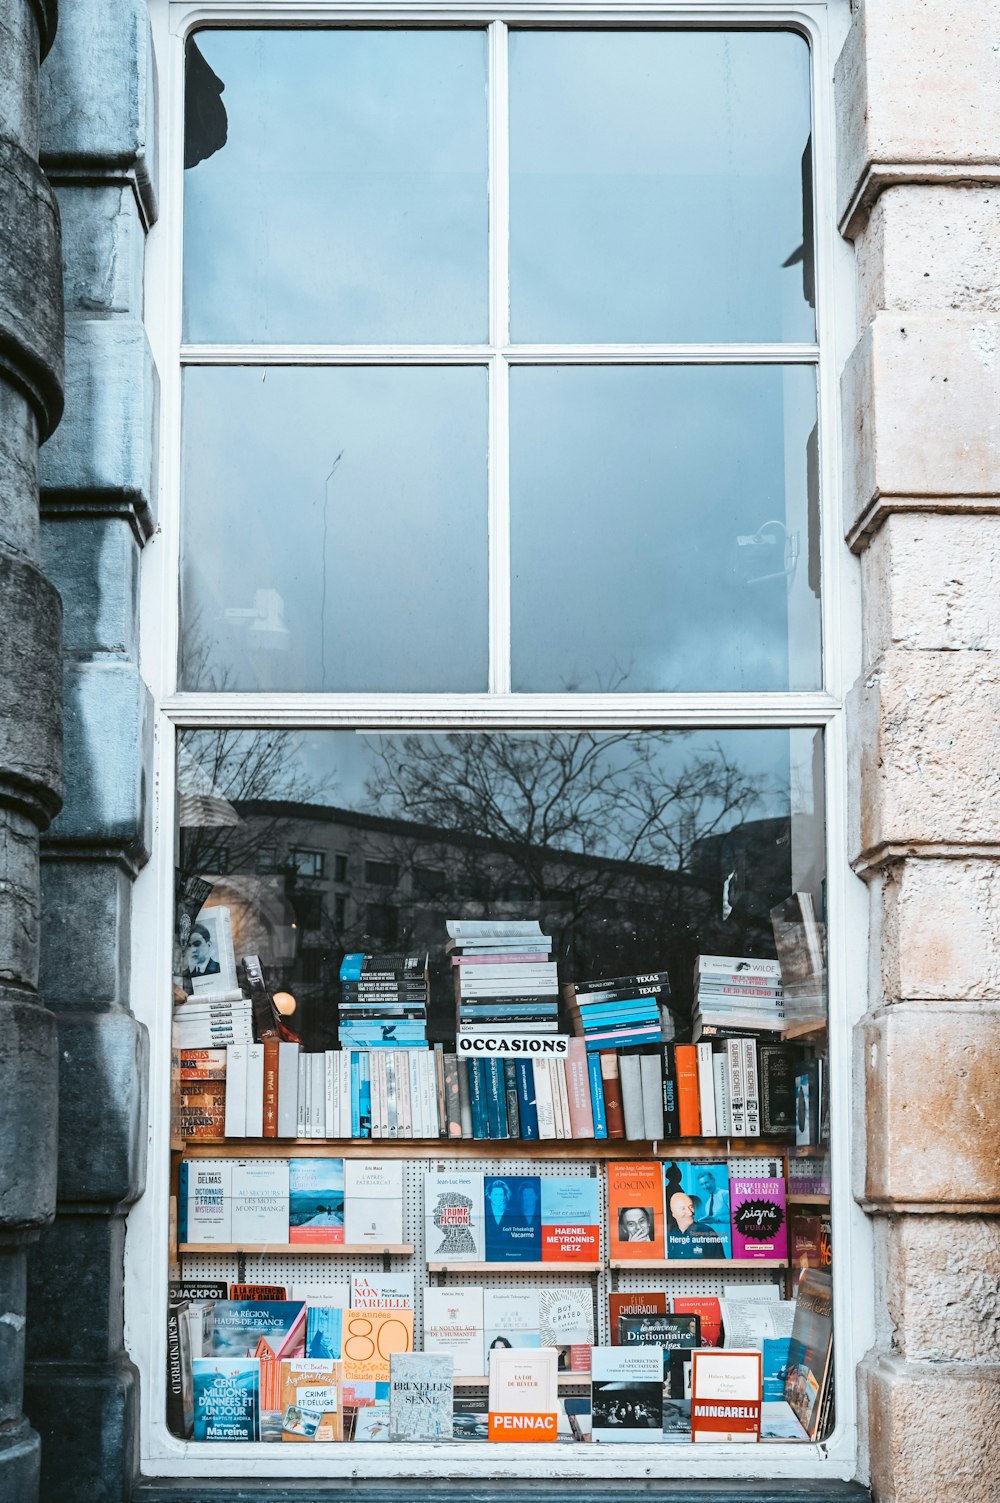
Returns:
(505, 980)
(622, 1012)
(800, 940)
(736, 994)
(200, 1109)
(211, 1020)
(383, 1001)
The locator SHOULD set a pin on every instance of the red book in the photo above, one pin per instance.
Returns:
(707, 1307)
(686, 1059)
(635, 1211)
(270, 1088)
(581, 1116)
(651, 1302)
(613, 1109)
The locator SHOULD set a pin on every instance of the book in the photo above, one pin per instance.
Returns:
(510, 1319)
(706, 1090)
(254, 1122)
(760, 1229)
(688, 1108)
(523, 1395)
(524, 1075)
(631, 1087)
(626, 1394)
(257, 1292)
(776, 1073)
(613, 1110)
(696, 1194)
(236, 1090)
(369, 1338)
(315, 1200)
(726, 1395)
(260, 1201)
(421, 1396)
(581, 1115)
(454, 1217)
(809, 1240)
(651, 1302)
(205, 1201)
(808, 1103)
(373, 1211)
(210, 960)
(453, 1323)
(512, 1218)
(388, 1291)
(635, 1211)
(809, 1359)
(244, 1327)
(651, 1078)
(737, 1104)
(570, 1219)
(510, 1085)
(596, 1081)
(371, 1421)
(310, 1400)
(226, 1398)
(751, 1089)
(544, 1105)
(288, 1090)
(677, 1336)
(180, 1392)
(566, 1323)
(324, 1331)
(708, 1311)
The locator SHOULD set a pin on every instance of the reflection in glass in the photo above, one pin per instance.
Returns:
(341, 196)
(323, 512)
(638, 851)
(660, 187)
(664, 528)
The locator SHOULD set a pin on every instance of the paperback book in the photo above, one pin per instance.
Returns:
(310, 1401)
(226, 1398)
(571, 1231)
(523, 1395)
(512, 1218)
(373, 1213)
(316, 1201)
(453, 1323)
(421, 1396)
(760, 1230)
(454, 1214)
(626, 1394)
(635, 1211)
(696, 1193)
(566, 1323)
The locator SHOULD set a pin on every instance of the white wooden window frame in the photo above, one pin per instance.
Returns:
(824, 24)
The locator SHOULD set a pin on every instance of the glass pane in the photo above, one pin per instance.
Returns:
(322, 514)
(660, 187)
(336, 189)
(664, 528)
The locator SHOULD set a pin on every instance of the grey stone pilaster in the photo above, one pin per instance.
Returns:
(98, 508)
(31, 366)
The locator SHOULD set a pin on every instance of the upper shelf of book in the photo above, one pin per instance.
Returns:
(446, 1148)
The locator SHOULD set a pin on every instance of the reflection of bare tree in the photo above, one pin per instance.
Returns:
(573, 824)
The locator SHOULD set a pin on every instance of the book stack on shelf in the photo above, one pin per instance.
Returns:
(505, 979)
(739, 1087)
(383, 1001)
(200, 1107)
(621, 1012)
(736, 994)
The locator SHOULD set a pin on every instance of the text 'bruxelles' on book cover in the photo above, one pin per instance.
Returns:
(421, 1396)
(635, 1211)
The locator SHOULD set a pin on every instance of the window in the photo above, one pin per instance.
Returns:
(267, 860)
(541, 631)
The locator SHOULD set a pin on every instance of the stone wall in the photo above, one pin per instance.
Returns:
(97, 502)
(919, 159)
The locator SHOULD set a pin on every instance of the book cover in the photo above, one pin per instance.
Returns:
(205, 1201)
(688, 1110)
(260, 1201)
(760, 1230)
(453, 1323)
(635, 1211)
(809, 1240)
(322, 1294)
(677, 1336)
(726, 1388)
(266, 1292)
(242, 1326)
(421, 1396)
(510, 1319)
(626, 1394)
(373, 1194)
(652, 1096)
(387, 1291)
(523, 1395)
(809, 1353)
(372, 1422)
(671, 1109)
(566, 1323)
(708, 1311)
(581, 1116)
(369, 1338)
(226, 1398)
(512, 1218)
(310, 1400)
(454, 1216)
(696, 1194)
(316, 1200)
(570, 1216)
(524, 1076)
(544, 1104)
(324, 1331)
(180, 1392)
(650, 1302)
(209, 959)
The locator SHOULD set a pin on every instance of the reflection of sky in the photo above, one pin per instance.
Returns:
(382, 568)
(350, 201)
(629, 489)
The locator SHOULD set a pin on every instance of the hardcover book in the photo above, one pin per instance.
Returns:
(316, 1200)
(760, 1230)
(696, 1193)
(523, 1395)
(310, 1400)
(454, 1213)
(626, 1394)
(226, 1398)
(512, 1218)
(635, 1211)
(571, 1231)
(373, 1192)
(421, 1396)
(453, 1323)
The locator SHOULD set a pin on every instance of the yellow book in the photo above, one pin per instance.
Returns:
(311, 1399)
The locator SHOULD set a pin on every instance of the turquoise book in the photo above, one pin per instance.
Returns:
(226, 1398)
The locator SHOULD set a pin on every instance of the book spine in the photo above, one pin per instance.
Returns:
(671, 1112)
(442, 1105)
(652, 1096)
(301, 1095)
(375, 1060)
(687, 1090)
(182, 1202)
(611, 1080)
(737, 1100)
(597, 1095)
(706, 1090)
(288, 1089)
(631, 1079)
(751, 1091)
(404, 1103)
(270, 1124)
(416, 1096)
(524, 1072)
(723, 1116)
(255, 1091)
(317, 1115)
(391, 1097)
(581, 1117)
(176, 1420)
(355, 1093)
(496, 1073)
(453, 1099)
(236, 1091)
(464, 1095)
(560, 1103)
(510, 1087)
(428, 1079)
(365, 1094)
(477, 1098)
(543, 1099)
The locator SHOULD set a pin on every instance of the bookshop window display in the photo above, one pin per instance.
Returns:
(499, 1090)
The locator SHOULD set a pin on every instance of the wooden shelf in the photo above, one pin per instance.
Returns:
(513, 1267)
(492, 1148)
(314, 1249)
(565, 1380)
(689, 1265)
(793, 1199)
(803, 1028)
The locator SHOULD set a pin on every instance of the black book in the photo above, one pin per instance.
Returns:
(777, 1064)
(644, 983)
(671, 1110)
(510, 1084)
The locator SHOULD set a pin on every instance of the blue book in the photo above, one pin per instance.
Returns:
(182, 1203)
(316, 1200)
(477, 1097)
(226, 1398)
(350, 967)
(777, 1360)
(597, 1095)
(510, 1009)
(513, 1218)
(525, 1075)
(365, 1098)
(628, 1038)
(355, 1094)
(324, 1328)
(627, 1010)
(241, 1324)
(495, 1097)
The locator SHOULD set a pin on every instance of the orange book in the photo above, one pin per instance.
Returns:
(613, 1109)
(270, 1088)
(635, 1211)
(688, 1109)
(368, 1340)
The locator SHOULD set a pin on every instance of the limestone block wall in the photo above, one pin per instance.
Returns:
(97, 506)
(920, 195)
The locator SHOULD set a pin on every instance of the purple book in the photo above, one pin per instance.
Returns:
(760, 1229)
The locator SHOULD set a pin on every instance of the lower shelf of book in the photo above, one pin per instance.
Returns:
(515, 1267)
(691, 1265)
(293, 1249)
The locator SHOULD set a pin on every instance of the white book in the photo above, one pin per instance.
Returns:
(723, 1116)
(330, 1094)
(404, 1114)
(373, 1201)
(544, 1108)
(453, 1322)
(391, 1094)
(322, 1295)
(236, 1090)
(375, 1092)
(428, 1097)
(345, 1093)
(560, 1101)
(381, 1291)
(260, 1201)
(288, 1089)
(453, 1217)
(737, 965)
(207, 1188)
(465, 929)
(511, 1318)
(651, 1076)
(737, 1099)
(416, 1094)
(706, 1090)
(318, 1102)
(630, 1075)
(750, 1087)
(255, 1091)
(302, 1096)
(523, 1384)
